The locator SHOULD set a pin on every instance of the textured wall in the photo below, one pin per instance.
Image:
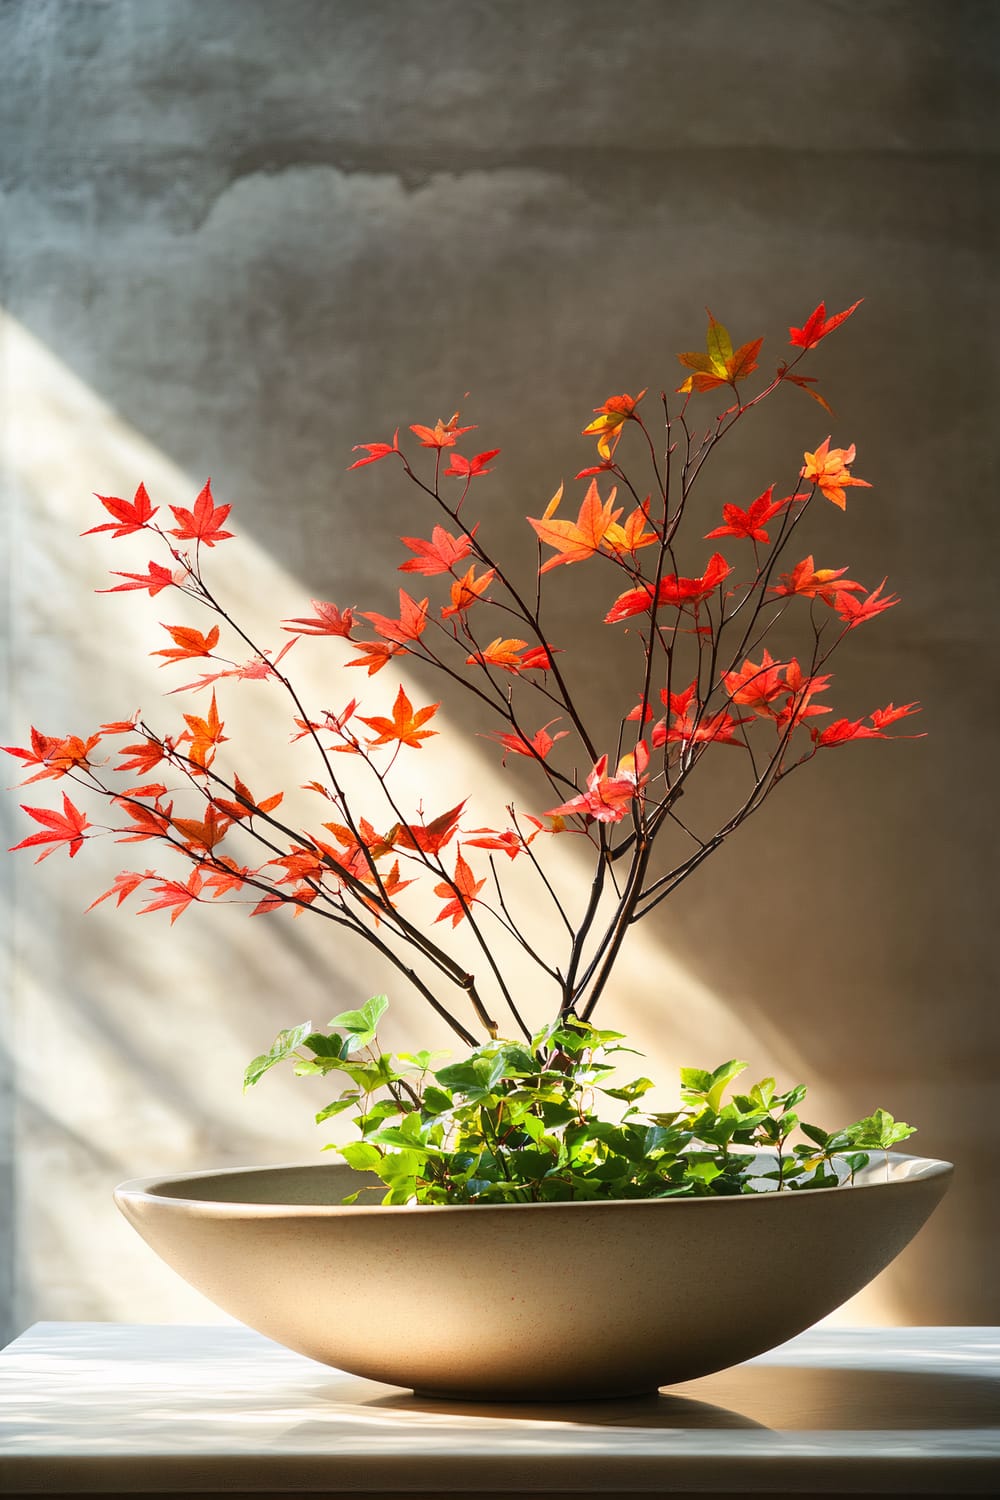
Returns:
(239, 237)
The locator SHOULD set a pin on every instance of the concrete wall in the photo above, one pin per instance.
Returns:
(239, 237)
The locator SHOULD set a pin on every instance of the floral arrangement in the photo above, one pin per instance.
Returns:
(516, 1119)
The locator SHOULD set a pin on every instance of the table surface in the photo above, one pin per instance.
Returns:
(117, 1409)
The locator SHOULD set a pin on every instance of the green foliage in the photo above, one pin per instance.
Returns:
(515, 1122)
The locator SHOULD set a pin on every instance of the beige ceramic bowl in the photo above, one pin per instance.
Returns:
(527, 1301)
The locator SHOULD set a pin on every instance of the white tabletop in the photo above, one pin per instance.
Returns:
(117, 1409)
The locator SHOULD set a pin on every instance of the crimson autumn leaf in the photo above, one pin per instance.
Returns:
(468, 468)
(844, 730)
(57, 828)
(461, 892)
(439, 555)
(173, 896)
(155, 580)
(672, 590)
(804, 383)
(375, 451)
(750, 523)
(123, 886)
(442, 434)
(188, 642)
(411, 623)
(538, 658)
(203, 523)
(818, 325)
(855, 612)
(466, 590)
(816, 583)
(719, 365)
(328, 620)
(577, 540)
(129, 515)
(404, 727)
(828, 468)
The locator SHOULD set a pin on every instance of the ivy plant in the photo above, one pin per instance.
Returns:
(545, 1121)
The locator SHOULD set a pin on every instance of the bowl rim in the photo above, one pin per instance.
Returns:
(146, 1190)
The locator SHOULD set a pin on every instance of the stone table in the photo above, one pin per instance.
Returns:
(113, 1409)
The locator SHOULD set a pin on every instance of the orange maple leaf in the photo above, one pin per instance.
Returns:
(247, 804)
(205, 735)
(442, 434)
(429, 838)
(466, 590)
(187, 643)
(719, 365)
(609, 421)
(404, 728)
(816, 583)
(205, 833)
(411, 623)
(577, 540)
(460, 892)
(828, 468)
(502, 652)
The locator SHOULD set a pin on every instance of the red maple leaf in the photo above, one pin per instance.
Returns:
(204, 522)
(537, 748)
(855, 612)
(328, 620)
(411, 624)
(750, 523)
(155, 580)
(57, 828)
(129, 515)
(124, 884)
(375, 451)
(672, 590)
(468, 468)
(174, 896)
(439, 555)
(818, 325)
